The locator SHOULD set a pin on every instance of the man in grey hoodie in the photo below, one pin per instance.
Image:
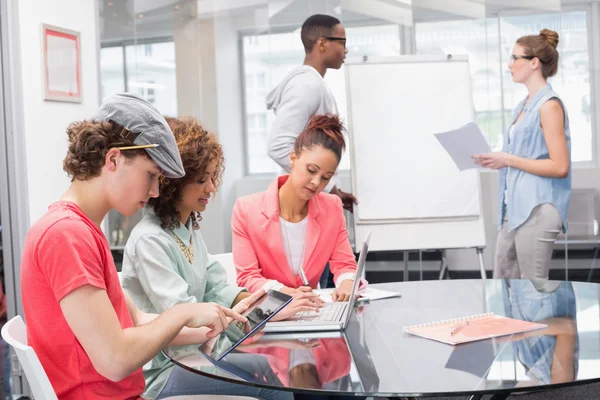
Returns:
(303, 92)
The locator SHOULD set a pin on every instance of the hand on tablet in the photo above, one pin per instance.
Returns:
(211, 315)
(243, 305)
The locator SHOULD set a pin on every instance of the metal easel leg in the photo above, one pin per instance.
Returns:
(593, 264)
(406, 266)
(481, 264)
(443, 266)
(420, 265)
(566, 259)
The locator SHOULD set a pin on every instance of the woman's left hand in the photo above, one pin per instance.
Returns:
(342, 292)
(243, 305)
(494, 160)
(246, 302)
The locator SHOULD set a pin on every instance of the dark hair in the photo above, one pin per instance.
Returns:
(322, 130)
(542, 46)
(198, 149)
(315, 27)
(89, 141)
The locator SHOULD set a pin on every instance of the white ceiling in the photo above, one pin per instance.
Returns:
(129, 19)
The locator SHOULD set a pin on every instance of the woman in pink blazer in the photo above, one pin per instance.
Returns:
(293, 227)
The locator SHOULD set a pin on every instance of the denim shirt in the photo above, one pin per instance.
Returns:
(526, 191)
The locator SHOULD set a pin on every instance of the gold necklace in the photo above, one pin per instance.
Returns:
(188, 251)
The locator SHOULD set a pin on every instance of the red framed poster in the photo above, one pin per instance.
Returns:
(62, 64)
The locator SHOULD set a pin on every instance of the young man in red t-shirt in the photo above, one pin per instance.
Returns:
(90, 338)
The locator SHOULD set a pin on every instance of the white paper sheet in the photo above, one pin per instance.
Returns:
(461, 144)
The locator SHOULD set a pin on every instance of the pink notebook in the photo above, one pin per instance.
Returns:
(472, 328)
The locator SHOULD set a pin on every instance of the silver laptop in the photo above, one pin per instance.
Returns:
(333, 316)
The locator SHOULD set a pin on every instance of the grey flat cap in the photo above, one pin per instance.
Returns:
(148, 126)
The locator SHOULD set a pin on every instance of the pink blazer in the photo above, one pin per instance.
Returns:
(258, 249)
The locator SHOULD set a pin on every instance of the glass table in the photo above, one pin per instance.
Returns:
(374, 357)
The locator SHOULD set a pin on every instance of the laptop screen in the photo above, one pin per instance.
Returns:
(360, 267)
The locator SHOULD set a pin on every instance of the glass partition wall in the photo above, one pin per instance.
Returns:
(188, 57)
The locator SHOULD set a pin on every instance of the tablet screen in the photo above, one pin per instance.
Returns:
(258, 314)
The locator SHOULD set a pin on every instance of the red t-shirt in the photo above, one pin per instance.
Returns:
(63, 251)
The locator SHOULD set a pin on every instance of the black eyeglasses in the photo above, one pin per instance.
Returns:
(336, 39)
(515, 57)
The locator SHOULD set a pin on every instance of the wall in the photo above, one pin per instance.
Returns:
(209, 87)
(229, 103)
(44, 122)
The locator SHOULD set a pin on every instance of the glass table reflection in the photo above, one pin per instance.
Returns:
(373, 357)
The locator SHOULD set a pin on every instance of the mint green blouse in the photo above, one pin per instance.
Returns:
(157, 275)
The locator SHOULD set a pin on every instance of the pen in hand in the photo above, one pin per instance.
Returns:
(303, 277)
(458, 328)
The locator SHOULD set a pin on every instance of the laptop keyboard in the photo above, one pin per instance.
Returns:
(329, 312)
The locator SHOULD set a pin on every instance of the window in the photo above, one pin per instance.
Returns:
(149, 71)
(269, 57)
(488, 43)
(112, 71)
(257, 139)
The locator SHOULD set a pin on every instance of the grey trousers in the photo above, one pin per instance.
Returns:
(525, 252)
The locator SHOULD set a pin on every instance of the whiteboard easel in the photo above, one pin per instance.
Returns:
(411, 195)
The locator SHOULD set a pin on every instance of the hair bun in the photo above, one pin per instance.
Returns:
(325, 130)
(550, 36)
(330, 124)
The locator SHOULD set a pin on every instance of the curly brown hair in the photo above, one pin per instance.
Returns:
(198, 148)
(88, 143)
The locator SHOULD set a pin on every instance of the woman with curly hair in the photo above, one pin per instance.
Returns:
(166, 261)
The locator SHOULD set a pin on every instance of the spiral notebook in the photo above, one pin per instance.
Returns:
(472, 328)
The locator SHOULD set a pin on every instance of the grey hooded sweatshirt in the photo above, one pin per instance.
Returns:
(300, 94)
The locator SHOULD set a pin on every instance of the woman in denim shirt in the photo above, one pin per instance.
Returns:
(535, 165)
